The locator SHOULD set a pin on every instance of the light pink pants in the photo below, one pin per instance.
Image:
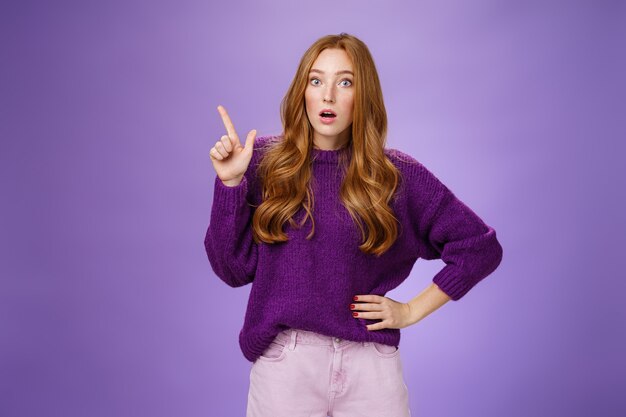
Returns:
(306, 374)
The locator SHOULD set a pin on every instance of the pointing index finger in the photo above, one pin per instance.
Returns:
(228, 123)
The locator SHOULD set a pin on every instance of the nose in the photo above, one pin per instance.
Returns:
(329, 94)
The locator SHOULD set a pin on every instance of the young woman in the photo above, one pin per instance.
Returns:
(323, 220)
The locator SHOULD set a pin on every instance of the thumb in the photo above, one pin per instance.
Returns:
(250, 140)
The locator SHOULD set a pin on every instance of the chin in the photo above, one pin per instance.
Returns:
(330, 130)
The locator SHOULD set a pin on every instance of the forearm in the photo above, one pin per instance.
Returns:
(429, 300)
(229, 240)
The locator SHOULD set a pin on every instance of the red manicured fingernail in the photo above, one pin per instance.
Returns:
(356, 298)
(351, 305)
(355, 314)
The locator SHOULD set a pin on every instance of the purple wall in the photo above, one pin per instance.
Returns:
(108, 305)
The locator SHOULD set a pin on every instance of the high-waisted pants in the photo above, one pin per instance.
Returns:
(306, 374)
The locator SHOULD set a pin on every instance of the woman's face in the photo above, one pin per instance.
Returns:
(330, 87)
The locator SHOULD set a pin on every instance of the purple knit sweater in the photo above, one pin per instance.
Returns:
(309, 284)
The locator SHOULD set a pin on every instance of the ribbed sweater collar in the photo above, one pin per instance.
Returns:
(331, 156)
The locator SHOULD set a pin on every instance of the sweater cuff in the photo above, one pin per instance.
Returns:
(450, 281)
(229, 197)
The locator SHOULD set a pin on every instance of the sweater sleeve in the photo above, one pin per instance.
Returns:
(449, 230)
(229, 242)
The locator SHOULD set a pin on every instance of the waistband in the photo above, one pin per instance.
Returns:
(292, 337)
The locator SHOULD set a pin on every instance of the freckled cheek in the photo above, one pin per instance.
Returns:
(310, 98)
(348, 109)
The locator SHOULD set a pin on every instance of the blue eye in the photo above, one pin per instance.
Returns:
(316, 79)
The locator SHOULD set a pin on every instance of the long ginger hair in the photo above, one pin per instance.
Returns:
(370, 178)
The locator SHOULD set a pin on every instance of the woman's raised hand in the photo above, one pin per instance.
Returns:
(231, 159)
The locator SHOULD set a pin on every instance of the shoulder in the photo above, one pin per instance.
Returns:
(409, 166)
(262, 143)
(401, 159)
(419, 184)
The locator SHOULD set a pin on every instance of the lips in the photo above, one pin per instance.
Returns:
(328, 113)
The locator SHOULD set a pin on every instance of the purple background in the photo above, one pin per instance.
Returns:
(108, 305)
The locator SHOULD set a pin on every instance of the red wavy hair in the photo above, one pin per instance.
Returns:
(371, 178)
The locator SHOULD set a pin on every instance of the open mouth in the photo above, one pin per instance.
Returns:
(328, 114)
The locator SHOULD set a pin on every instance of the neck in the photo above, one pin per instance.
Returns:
(326, 143)
(336, 146)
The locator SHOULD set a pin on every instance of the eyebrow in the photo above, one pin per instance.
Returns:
(337, 73)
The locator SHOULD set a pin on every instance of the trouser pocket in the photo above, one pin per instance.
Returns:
(275, 351)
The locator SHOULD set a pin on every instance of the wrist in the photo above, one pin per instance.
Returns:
(413, 311)
(233, 182)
